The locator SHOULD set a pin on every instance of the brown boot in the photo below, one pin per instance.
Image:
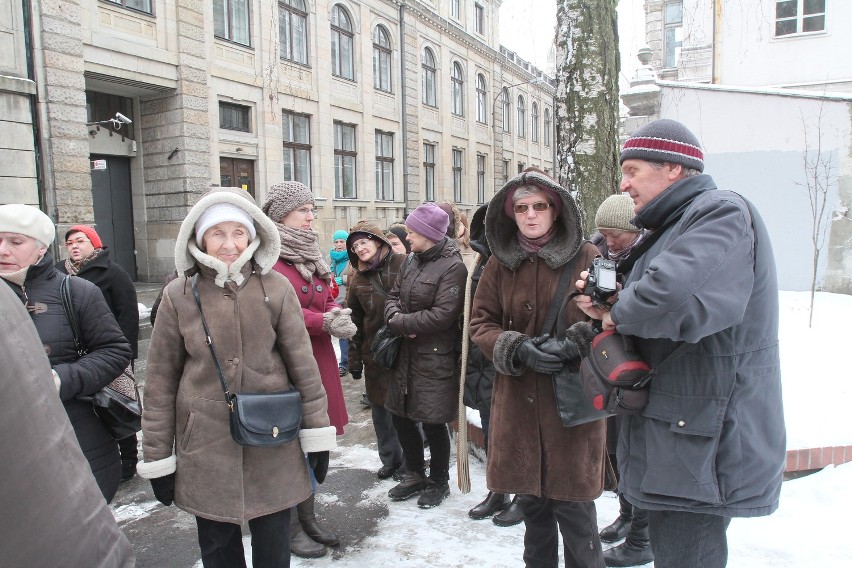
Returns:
(308, 518)
(300, 543)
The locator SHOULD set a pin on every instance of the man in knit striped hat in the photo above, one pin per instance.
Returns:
(710, 445)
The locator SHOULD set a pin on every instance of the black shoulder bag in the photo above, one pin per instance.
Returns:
(117, 404)
(385, 345)
(256, 419)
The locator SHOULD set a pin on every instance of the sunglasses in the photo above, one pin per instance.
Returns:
(539, 206)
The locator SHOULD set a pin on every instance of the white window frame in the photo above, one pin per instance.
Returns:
(293, 31)
(342, 44)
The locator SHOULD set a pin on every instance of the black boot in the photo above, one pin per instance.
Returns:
(434, 495)
(308, 519)
(636, 548)
(511, 515)
(301, 544)
(621, 525)
(493, 503)
(413, 483)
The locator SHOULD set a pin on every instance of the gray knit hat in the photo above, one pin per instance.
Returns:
(615, 213)
(285, 197)
(664, 140)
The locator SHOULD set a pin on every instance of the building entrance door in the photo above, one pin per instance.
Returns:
(114, 208)
(235, 172)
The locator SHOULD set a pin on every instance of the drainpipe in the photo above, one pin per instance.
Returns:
(46, 202)
(402, 107)
(717, 44)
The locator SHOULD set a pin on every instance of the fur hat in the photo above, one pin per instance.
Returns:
(664, 140)
(285, 197)
(27, 220)
(220, 213)
(339, 235)
(89, 232)
(430, 221)
(615, 212)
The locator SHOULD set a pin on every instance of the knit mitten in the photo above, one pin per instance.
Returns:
(338, 323)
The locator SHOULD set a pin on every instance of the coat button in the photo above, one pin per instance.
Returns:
(304, 289)
(681, 423)
(236, 360)
(434, 349)
(528, 307)
(530, 399)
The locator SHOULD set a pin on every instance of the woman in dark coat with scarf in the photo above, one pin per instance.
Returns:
(376, 269)
(534, 231)
(424, 308)
(290, 206)
(27, 268)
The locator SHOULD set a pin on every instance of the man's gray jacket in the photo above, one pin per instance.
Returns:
(712, 438)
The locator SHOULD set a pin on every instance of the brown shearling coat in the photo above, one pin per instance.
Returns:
(429, 298)
(529, 451)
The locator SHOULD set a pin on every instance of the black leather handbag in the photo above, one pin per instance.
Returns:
(385, 347)
(256, 419)
(117, 404)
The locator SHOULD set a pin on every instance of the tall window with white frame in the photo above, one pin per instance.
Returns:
(429, 77)
(344, 161)
(342, 41)
(382, 60)
(799, 16)
(231, 20)
(534, 122)
(458, 89)
(140, 5)
(547, 127)
(455, 9)
(384, 166)
(506, 107)
(297, 147)
(480, 179)
(481, 100)
(429, 172)
(479, 22)
(522, 117)
(293, 31)
(458, 157)
(673, 33)
(505, 170)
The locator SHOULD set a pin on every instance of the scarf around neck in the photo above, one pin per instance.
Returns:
(74, 268)
(623, 253)
(339, 260)
(301, 247)
(538, 243)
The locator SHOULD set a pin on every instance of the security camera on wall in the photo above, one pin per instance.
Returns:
(122, 118)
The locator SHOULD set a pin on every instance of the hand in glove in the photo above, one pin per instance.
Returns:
(164, 489)
(529, 355)
(338, 280)
(564, 348)
(338, 323)
(319, 463)
(582, 333)
(357, 371)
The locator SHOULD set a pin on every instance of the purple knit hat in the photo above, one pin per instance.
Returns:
(430, 221)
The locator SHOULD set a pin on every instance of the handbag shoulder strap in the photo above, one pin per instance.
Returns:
(377, 282)
(68, 306)
(559, 297)
(209, 340)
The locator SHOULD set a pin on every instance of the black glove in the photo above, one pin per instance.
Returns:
(564, 348)
(356, 374)
(529, 354)
(582, 333)
(319, 463)
(164, 489)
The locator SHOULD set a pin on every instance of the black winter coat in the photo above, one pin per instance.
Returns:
(429, 298)
(118, 290)
(479, 379)
(108, 354)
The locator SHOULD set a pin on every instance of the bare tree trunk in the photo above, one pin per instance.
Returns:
(587, 102)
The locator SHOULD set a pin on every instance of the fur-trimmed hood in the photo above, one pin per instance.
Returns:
(377, 234)
(264, 249)
(502, 232)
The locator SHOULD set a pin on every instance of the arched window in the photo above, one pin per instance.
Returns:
(506, 109)
(547, 127)
(429, 78)
(481, 100)
(293, 30)
(381, 60)
(522, 117)
(342, 40)
(458, 90)
(534, 122)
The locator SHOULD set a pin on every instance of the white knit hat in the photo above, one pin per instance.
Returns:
(27, 220)
(220, 213)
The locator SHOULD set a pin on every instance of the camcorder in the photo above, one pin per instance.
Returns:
(601, 282)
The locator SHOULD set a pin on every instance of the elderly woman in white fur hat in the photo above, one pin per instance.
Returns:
(225, 249)
(27, 268)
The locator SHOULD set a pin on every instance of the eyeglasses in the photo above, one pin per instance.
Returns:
(306, 211)
(77, 241)
(360, 244)
(539, 206)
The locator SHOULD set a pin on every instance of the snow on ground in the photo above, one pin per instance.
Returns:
(802, 533)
